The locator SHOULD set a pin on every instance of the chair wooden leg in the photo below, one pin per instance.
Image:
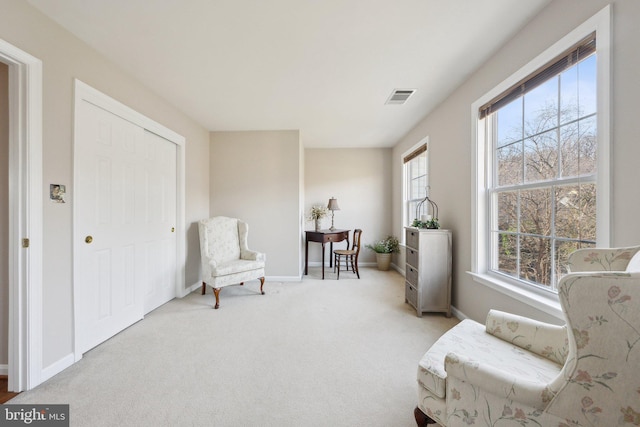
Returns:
(261, 285)
(421, 418)
(204, 288)
(357, 271)
(216, 292)
(338, 261)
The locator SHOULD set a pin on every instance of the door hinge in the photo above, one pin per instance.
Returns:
(25, 243)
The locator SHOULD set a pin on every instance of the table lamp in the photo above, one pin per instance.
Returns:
(333, 206)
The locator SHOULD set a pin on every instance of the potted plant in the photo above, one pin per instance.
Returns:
(430, 223)
(316, 214)
(383, 249)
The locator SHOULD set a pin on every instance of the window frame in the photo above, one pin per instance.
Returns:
(542, 299)
(407, 218)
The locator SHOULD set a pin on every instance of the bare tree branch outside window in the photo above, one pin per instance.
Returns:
(544, 191)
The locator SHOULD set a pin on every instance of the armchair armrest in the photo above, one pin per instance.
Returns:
(601, 259)
(542, 338)
(496, 381)
(252, 255)
(208, 265)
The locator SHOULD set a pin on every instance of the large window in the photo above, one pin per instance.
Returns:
(541, 168)
(542, 149)
(415, 181)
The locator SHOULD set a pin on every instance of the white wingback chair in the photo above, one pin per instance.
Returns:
(226, 259)
(515, 371)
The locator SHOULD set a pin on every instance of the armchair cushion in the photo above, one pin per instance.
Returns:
(470, 338)
(531, 389)
(235, 266)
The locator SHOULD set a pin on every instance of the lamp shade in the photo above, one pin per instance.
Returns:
(333, 204)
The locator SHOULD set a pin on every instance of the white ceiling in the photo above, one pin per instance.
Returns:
(325, 67)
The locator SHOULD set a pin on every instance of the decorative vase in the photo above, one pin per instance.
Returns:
(317, 224)
(383, 260)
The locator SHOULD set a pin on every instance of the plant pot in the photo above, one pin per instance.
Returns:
(318, 224)
(383, 260)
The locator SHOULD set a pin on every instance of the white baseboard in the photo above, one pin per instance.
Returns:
(367, 264)
(326, 264)
(57, 367)
(283, 278)
(457, 313)
(190, 289)
(4, 369)
(398, 269)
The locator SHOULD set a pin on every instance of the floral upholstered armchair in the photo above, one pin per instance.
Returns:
(226, 259)
(515, 371)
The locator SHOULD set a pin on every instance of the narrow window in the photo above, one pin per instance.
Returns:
(416, 182)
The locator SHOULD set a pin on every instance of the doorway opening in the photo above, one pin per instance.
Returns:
(23, 248)
(4, 226)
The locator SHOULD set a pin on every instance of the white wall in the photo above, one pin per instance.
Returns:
(449, 129)
(4, 214)
(360, 178)
(64, 58)
(255, 176)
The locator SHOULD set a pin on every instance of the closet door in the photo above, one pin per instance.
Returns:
(124, 201)
(159, 209)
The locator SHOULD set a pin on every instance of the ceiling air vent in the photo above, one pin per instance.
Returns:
(400, 96)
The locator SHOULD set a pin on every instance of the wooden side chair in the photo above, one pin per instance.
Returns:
(350, 255)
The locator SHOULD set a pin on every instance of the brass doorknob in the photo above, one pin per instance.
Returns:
(88, 239)
(173, 229)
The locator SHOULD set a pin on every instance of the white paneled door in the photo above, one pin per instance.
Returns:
(125, 213)
(159, 199)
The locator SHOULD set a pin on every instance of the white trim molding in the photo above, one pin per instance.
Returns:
(25, 217)
(57, 367)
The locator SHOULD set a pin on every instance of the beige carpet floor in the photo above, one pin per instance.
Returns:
(309, 353)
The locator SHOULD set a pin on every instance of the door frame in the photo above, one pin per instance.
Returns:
(25, 217)
(84, 92)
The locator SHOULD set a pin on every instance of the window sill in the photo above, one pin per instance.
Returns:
(547, 302)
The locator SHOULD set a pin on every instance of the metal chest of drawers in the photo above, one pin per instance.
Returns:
(428, 270)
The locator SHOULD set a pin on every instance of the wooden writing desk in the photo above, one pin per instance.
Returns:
(323, 236)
